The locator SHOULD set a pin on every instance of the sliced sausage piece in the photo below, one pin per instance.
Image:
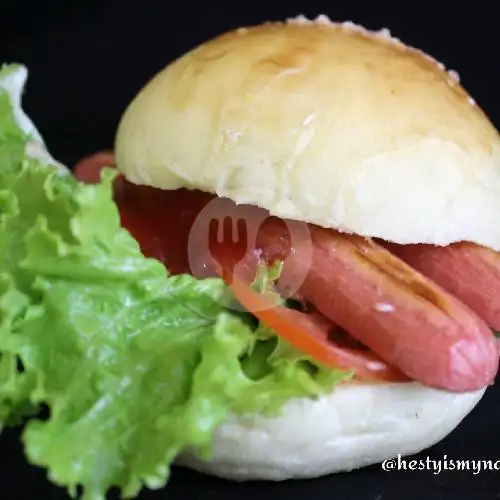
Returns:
(469, 272)
(88, 169)
(402, 316)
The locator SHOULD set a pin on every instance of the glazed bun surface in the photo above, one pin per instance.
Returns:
(325, 123)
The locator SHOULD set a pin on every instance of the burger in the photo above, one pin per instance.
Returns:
(289, 269)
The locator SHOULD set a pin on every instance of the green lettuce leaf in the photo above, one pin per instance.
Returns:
(133, 365)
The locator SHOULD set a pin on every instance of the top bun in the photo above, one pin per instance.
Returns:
(325, 123)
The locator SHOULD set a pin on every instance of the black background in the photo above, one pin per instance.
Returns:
(88, 59)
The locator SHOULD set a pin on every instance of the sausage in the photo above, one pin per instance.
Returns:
(402, 316)
(469, 272)
(88, 169)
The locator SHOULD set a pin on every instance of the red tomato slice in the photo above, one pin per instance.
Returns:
(151, 246)
(88, 169)
(307, 333)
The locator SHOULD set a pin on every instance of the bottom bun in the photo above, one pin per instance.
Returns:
(352, 427)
